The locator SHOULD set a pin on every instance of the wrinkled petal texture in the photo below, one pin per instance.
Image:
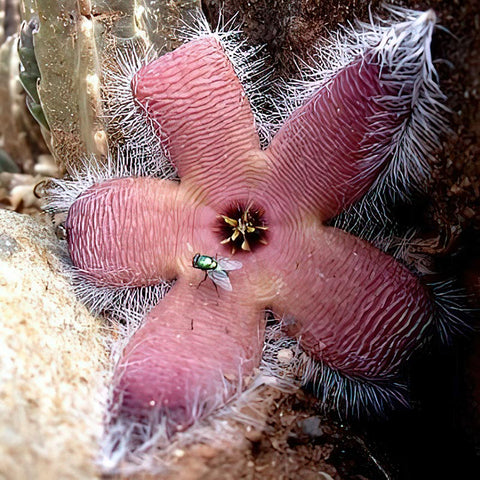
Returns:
(323, 159)
(354, 307)
(127, 231)
(203, 113)
(192, 353)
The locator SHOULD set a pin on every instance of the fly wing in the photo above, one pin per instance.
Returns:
(227, 264)
(220, 278)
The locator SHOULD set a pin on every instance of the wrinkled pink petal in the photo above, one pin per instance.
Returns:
(354, 307)
(325, 156)
(192, 353)
(203, 114)
(127, 231)
(350, 305)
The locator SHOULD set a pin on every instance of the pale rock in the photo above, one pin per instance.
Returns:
(52, 362)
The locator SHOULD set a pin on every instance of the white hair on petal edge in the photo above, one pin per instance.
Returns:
(124, 114)
(129, 447)
(129, 162)
(129, 127)
(452, 314)
(406, 64)
(379, 229)
(404, 58)
(407, 249)
(127, 304)
(248, 64)
(350, 396)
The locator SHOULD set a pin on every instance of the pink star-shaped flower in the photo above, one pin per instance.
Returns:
(352, 307)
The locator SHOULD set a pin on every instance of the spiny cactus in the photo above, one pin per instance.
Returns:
(74, 43)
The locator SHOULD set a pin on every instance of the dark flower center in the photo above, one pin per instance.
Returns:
(243, 227)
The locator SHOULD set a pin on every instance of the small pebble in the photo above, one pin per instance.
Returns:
(205, 451)
(253, 435)
(311, 427)
(179, 453)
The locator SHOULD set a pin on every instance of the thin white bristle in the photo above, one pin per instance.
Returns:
(452, 314)
(130, 161)
(349, 396)
(129, 447)
(130, 129)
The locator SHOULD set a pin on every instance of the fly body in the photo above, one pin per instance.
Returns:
(216, 269)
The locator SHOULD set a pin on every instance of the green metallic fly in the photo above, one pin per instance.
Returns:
(216, 269)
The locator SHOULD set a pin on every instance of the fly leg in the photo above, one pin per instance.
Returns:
(204, 278)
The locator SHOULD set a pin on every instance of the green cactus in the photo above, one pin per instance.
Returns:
(30, 74)
(9, 18)
(74, 42)
(20, 137)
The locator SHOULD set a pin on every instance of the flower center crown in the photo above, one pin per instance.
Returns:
(243, 227)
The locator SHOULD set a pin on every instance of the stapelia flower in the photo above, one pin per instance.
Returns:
(357, 313)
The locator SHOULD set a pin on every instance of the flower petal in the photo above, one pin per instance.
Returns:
(373, 121)
(136, 231)
(201, 110)
(191, 354)
(318, 158)
(354, 307)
